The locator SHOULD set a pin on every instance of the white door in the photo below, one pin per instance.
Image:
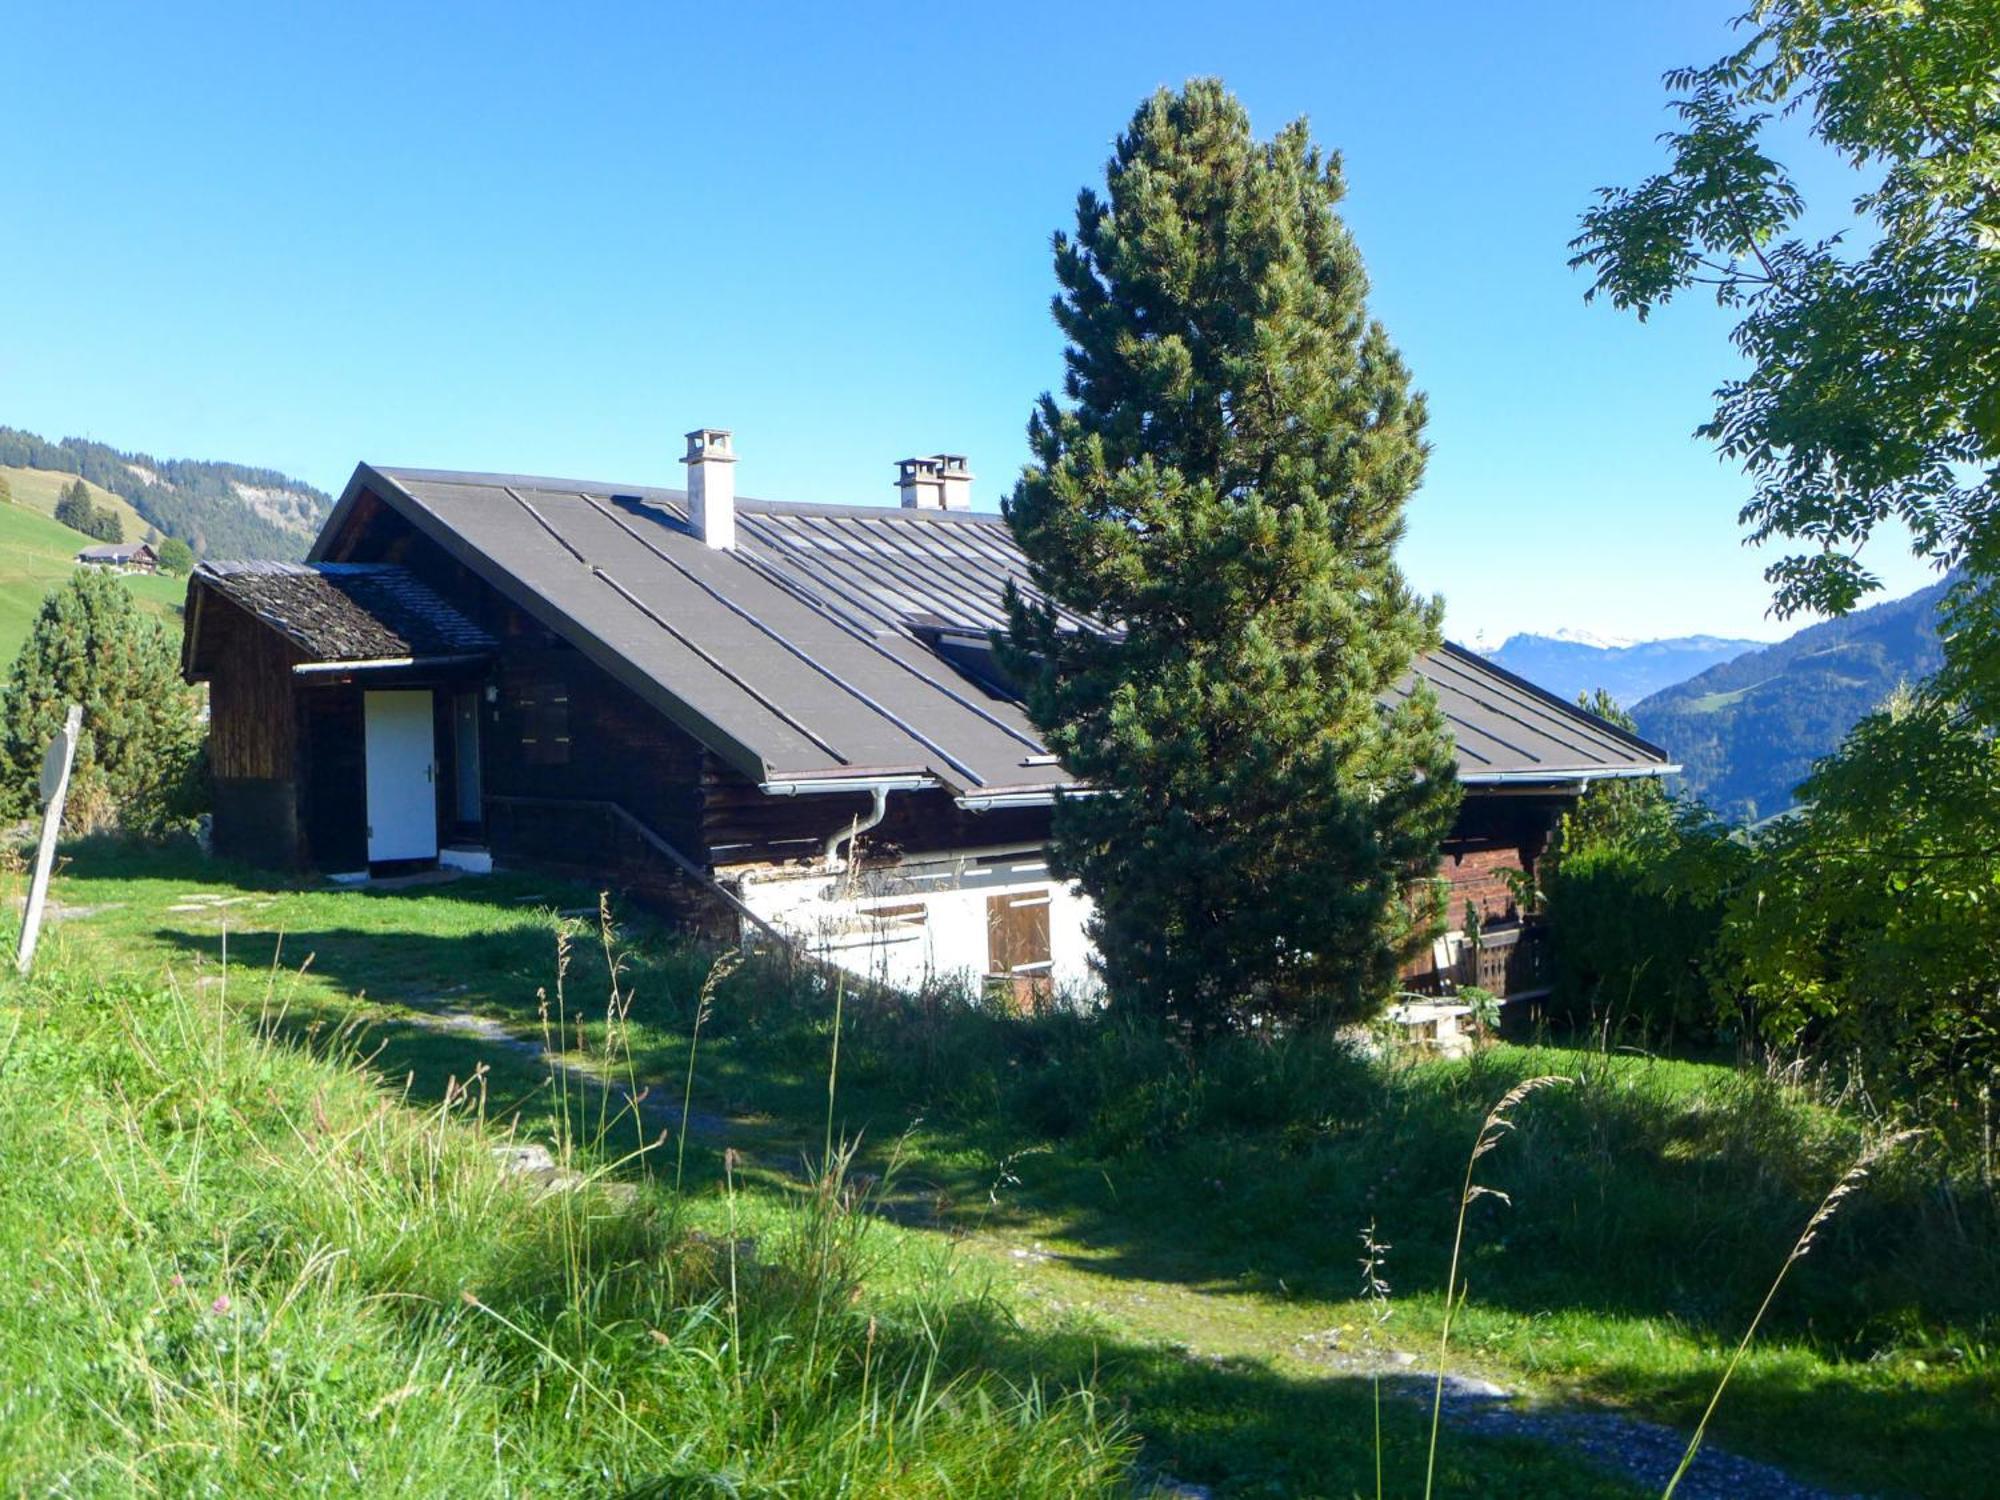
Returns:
(402, 771)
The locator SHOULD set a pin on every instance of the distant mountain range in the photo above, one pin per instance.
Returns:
(1569, 663)
(219, 509)
(1747, 731)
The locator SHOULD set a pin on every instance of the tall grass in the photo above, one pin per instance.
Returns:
(1850, 1184)
(1497, 1125)
(231, 1263)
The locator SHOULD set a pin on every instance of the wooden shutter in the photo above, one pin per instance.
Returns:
(1018, 954)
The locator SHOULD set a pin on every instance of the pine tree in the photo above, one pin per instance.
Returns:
(138, 761)
(105, 524)
(74, 507)
(1225, 485)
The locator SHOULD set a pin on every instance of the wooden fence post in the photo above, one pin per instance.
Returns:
(55, 789)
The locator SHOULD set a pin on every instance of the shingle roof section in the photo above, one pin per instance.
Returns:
(805, 652)
(348, 611)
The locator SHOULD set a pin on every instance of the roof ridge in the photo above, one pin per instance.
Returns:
(477, 479)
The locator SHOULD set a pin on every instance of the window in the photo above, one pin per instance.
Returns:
(544, 713)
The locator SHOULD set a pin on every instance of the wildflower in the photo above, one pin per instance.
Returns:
(220, 1305)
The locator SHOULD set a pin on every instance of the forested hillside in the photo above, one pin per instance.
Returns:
(219, 509)
(1747, 731)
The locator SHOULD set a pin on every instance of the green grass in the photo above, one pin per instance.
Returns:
(1709, 703)
(36, 554)
(1184, 1241)
(40, 489)
(230, 1263)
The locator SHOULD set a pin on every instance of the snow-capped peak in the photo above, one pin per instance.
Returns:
(1486, 642)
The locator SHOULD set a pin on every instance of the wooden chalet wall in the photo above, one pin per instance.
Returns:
(1496, 833)
(252, 735)
(333, 777)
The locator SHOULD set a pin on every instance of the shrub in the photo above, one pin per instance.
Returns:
(176, 557)
(1868, 931)
(1636, 922)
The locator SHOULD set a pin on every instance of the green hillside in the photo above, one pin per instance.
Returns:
(39, 489)
(36, 554)
(1748, 731)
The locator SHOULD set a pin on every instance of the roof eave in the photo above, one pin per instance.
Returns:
(1566, 777)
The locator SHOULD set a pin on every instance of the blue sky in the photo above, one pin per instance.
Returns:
(551, 238)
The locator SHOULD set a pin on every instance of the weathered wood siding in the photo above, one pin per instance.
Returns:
(619, 749)
(1495, 835)
(333, 781)
(741, 825)
(252, 735)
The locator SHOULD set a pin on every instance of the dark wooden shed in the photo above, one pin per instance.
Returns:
(345, 704)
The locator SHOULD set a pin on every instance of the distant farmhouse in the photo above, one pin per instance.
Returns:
(134, 556)
(755, 713)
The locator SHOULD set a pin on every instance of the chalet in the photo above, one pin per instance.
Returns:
(136, 556)
(756, 713)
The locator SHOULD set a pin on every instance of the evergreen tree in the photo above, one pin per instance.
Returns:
(105, 524)
(138, 762)
(1225, 485)
(74, 507)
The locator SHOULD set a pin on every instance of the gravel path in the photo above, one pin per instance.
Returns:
(1645, 1452)
(654, 1108)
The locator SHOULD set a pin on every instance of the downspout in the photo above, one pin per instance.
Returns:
(854, 830)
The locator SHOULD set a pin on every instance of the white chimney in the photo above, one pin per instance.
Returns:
(711, 486)
(955, 480)
(940, 482)
(921, 483)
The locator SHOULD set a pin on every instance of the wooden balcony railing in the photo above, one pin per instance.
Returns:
(1510, 961)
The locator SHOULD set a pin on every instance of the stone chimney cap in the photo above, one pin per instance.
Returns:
(712, 445)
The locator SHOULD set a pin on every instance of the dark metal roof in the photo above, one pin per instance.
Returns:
(347, 611)
(114, 552)
(808, 651)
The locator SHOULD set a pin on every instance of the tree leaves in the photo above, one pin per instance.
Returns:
(1874, 357)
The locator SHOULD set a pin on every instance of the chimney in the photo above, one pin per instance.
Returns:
(921, 483)
(956, 480)
(940, 482)
(711, 486)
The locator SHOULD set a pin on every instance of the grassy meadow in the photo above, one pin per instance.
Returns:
(1113, 1262)
(37, 553)
(40, 489)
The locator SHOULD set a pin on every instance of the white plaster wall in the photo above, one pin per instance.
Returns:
(829, 918)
